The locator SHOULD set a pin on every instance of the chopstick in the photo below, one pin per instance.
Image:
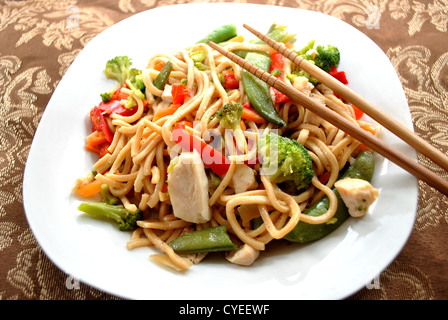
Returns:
(420, 172)
(367, 107)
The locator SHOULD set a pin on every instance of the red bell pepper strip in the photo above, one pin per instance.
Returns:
(280, 97)
(211, 157)
(358, 112)
(179, 93)
(99, 123)
(340, 75)
(229, 80)
(119, 95)
(324, 177)
(278, 63)
(114, 106)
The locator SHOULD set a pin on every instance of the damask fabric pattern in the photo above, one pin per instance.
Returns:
(40, 39)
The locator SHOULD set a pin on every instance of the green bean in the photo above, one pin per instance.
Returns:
(362, 168)
(205, 240)
(258, 91)
(220, 34)
(162, 77)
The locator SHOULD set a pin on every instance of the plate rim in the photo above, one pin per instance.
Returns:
(91, 44)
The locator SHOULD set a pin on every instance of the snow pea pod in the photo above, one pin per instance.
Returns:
(204, 240)
(220, 34)
(162, 77)
(258, 91)
(362, 168)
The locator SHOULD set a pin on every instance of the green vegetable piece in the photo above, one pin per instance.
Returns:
(308, 47)
(278, 33)
(118, 68)
(229, 117)
(107, 196)
(162, 77)
(258, 91)
(284, 159)
(106, 96)
(362, 168)
(275, 32)
(135, 83)
(220, 34)
(302, 73)
(126, 220)
(205, 240)
(198, 58)
(327, 57)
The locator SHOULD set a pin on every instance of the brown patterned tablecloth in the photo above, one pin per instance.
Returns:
(40, 39)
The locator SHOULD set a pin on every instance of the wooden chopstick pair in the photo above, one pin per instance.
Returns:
(405, 162)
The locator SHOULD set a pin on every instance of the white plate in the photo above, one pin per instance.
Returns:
(95, 252)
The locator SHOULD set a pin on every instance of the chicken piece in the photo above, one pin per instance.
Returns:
(302, 84)
(357, 195)
(188, 188)
(247, 213)
(243, 178)
(245, 255)
(167, 95)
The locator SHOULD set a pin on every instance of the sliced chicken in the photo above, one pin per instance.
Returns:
(302, 84)
(243, 178)
(188, 188)
(245, 255)
(167, 95)
(357, 195)
(247, 213)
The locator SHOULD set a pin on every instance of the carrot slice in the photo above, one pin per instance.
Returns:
(166, 112)
(89, 189)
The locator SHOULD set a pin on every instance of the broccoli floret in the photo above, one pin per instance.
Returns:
(107, 196)
(229, 117)
(118, 68)
(106, 96)
(308, 53)
(198, 58)
(135, 83)
(302, 73)
(127, 220)
(327, 57)
(285, 160)
(109, 208)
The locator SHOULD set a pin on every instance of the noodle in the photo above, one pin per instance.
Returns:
(136, 165)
